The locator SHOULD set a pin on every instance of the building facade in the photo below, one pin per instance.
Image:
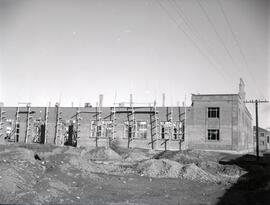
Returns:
(264, 141)
(145, 127)
(212, 122)
(220, 122)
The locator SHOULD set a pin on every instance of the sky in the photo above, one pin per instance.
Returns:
(74, 50)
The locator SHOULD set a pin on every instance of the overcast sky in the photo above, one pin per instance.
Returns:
(76, 50)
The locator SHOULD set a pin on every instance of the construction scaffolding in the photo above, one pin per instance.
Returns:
(46, 124)
(28, 121)
(58, 124)
(2, 118)
(130, 124)
(154, 125)
(77, 127)
(17, 125)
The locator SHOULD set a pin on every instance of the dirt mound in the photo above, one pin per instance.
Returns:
(164, 168)
(195, 173)
(18, 170)
(100, 153)
(18, 153)
(11, 181)
(137, 155)
(203, 166)
(183, 157)
(160, 168)
(91, 167)
(53, 152)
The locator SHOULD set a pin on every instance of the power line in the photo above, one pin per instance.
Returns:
(188, 36)
(217, 34)
(237, 43)
(188, 23)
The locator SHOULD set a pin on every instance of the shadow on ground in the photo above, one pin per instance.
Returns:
(254, 186)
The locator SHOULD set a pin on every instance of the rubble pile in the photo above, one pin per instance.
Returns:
(159, 168)
(43, 173)
(100, 153)
(137, 155)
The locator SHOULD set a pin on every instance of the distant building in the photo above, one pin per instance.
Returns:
(264, 134)
(212, 122)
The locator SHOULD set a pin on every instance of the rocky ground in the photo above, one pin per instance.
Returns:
(40, 174)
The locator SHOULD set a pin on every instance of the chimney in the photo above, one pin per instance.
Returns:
(100, 100)
(163, 99)
(242, 92)
(130, 100)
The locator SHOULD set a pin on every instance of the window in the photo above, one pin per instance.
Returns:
(142, 125)
(213, 112)
(267, 139)
(175, 133)
(142, 130)
(95, 129)
(166, 130)
(99, 130)
(262, 134)
(108, 128)
(162, 132)
(213, 134)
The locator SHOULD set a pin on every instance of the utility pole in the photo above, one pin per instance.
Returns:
(256, 102)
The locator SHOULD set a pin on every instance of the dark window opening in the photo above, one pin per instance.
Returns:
(42, 134)
(183, 132)
(99, 130)
(129, 132)
(17, 132)
(71, 140)
(162, 133)
(175, 133)
(213, 134)
(213, 112)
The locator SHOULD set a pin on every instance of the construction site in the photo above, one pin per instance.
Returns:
(130, 153)
(151, 102)
(148, 127)
(212, 122)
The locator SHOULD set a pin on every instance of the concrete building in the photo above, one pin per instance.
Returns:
(214, 122)
(264, 135)
(220, 122)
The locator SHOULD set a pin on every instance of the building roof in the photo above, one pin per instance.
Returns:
(261, 129)
(229, 94)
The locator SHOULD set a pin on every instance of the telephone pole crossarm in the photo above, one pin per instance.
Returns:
(254, 101)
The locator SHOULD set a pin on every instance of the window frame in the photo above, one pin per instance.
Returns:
(213, 112)
(210, 134)
(142, 129)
